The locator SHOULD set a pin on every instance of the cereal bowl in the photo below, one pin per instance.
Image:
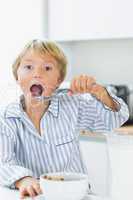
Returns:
(64, 186)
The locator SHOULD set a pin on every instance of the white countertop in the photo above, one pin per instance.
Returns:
(9, 194)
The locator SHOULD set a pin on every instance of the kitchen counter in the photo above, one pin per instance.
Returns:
(124, 130)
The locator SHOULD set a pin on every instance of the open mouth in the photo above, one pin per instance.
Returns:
(36, 90)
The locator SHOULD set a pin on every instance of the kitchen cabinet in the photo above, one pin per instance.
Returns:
(86, 19)
(95, 156)
(108, 158)
(120, 152)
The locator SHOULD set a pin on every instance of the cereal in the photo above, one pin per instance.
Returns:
(54, 178)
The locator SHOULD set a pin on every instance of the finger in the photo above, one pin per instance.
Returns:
(90, 83)
(77, 85)
(23, 193)
(37, 188)
(98, 91)
(95, 87)
(74, 85)
(83, 84)
(31, 191)
(80, 83)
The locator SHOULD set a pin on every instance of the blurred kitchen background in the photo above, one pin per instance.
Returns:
(97, 37)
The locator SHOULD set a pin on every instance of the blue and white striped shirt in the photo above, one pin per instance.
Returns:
(23, 152)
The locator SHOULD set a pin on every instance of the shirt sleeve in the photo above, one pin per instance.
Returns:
(10, 168)
(95, 116)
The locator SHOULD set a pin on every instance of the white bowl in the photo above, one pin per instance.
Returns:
(73, 187)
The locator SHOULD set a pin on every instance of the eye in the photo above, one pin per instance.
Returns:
(28, 67)
(47, 68)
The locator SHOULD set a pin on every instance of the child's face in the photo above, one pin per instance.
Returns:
(38, 75)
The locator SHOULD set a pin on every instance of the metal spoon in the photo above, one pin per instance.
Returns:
(58, 92)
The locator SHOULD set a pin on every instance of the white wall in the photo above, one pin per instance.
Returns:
(110, 61)
(20, 21)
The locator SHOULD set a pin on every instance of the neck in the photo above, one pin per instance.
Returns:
(35, 109)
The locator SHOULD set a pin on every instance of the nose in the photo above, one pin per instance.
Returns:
(37, 72)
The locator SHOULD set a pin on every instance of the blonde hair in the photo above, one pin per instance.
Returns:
(43, 47)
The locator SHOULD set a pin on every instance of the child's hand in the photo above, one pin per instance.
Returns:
(87, 84)
(28, 186)
(83, 84)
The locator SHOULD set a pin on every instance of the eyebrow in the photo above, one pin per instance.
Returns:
(29, 60)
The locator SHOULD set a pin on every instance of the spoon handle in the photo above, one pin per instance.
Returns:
(58, 92)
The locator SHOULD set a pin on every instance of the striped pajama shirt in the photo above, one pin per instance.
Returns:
(24, 152)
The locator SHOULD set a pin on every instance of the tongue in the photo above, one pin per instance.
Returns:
(36, 90)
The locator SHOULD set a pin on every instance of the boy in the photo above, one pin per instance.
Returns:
(38, 136)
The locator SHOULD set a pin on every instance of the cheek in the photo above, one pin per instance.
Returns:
(22, 81)
(22, 84)
(55, 77)
(52, 83)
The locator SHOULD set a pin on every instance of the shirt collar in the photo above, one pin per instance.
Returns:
(15, 109)
(54, 106)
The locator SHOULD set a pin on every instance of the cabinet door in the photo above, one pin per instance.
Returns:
(60, 19)
(95, 156)
(90, 19)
